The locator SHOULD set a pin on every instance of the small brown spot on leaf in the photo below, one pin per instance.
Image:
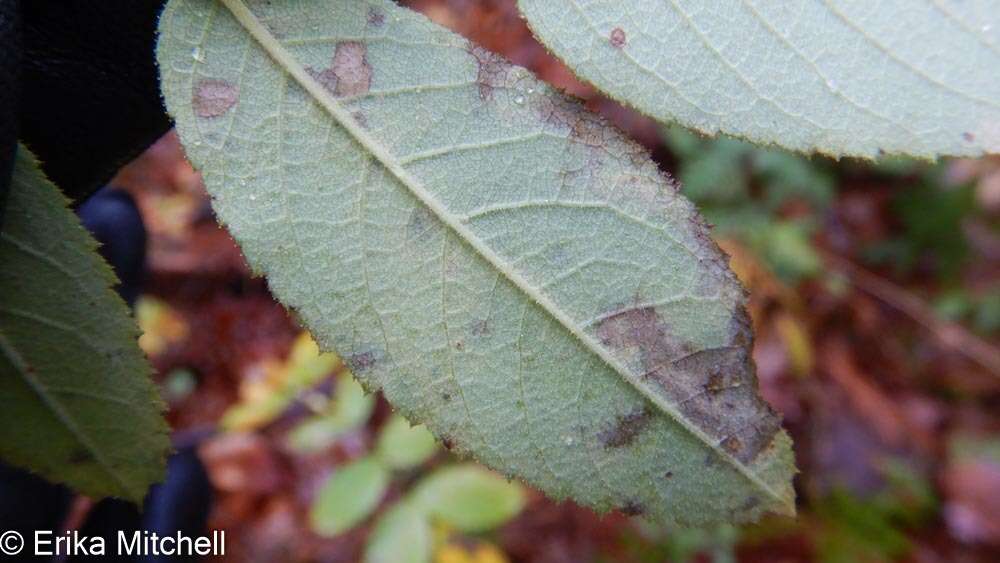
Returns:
(213, 97)
(617, 38)
(375, 17)
(633, 508)
(732, 445)
(349, 73)
(716, 382)
(361, 362)
(80, 456)
(626, 428)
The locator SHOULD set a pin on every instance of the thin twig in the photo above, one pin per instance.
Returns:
(952, 335)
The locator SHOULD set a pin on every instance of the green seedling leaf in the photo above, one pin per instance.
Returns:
(839, 77)
(349, 496)
(506, 267)
(304, 368)
(469, 498)
(349, 409)
(78, 403)
(402, 446)
(402, 535)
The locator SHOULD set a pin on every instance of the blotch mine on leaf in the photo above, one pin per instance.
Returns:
(493, 70)
(565, 114)
(626, 428)
(349, 73)
(698, 381)
(617, 38)
(213, 97)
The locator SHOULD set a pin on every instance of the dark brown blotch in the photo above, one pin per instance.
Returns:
(714, 387)
(633, 508)
(626, 428)
(213, 97)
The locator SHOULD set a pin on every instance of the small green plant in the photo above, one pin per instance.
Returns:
(464, 497)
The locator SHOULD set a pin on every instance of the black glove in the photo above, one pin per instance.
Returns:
(89, 97)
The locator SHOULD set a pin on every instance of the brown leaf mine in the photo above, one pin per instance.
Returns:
(493, 70)
(349, 73)
(213, 98)
(715, 388)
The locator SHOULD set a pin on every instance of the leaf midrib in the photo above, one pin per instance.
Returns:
(284, 59)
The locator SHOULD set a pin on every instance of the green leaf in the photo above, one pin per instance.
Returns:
(469, 498)
(304, 368)
(840, 77)
(402, 446)
(78, 405)
(506, 267)
(349, 496)
(402, 535)
(349, 409)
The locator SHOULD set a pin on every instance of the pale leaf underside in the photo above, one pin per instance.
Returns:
(78, 406)
(504, 265)
(840, 77)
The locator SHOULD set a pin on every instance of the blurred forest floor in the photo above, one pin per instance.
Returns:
(875, 293)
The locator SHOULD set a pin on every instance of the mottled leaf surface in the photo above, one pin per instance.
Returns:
(509, 269)
(78, 405)
(840, 77)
